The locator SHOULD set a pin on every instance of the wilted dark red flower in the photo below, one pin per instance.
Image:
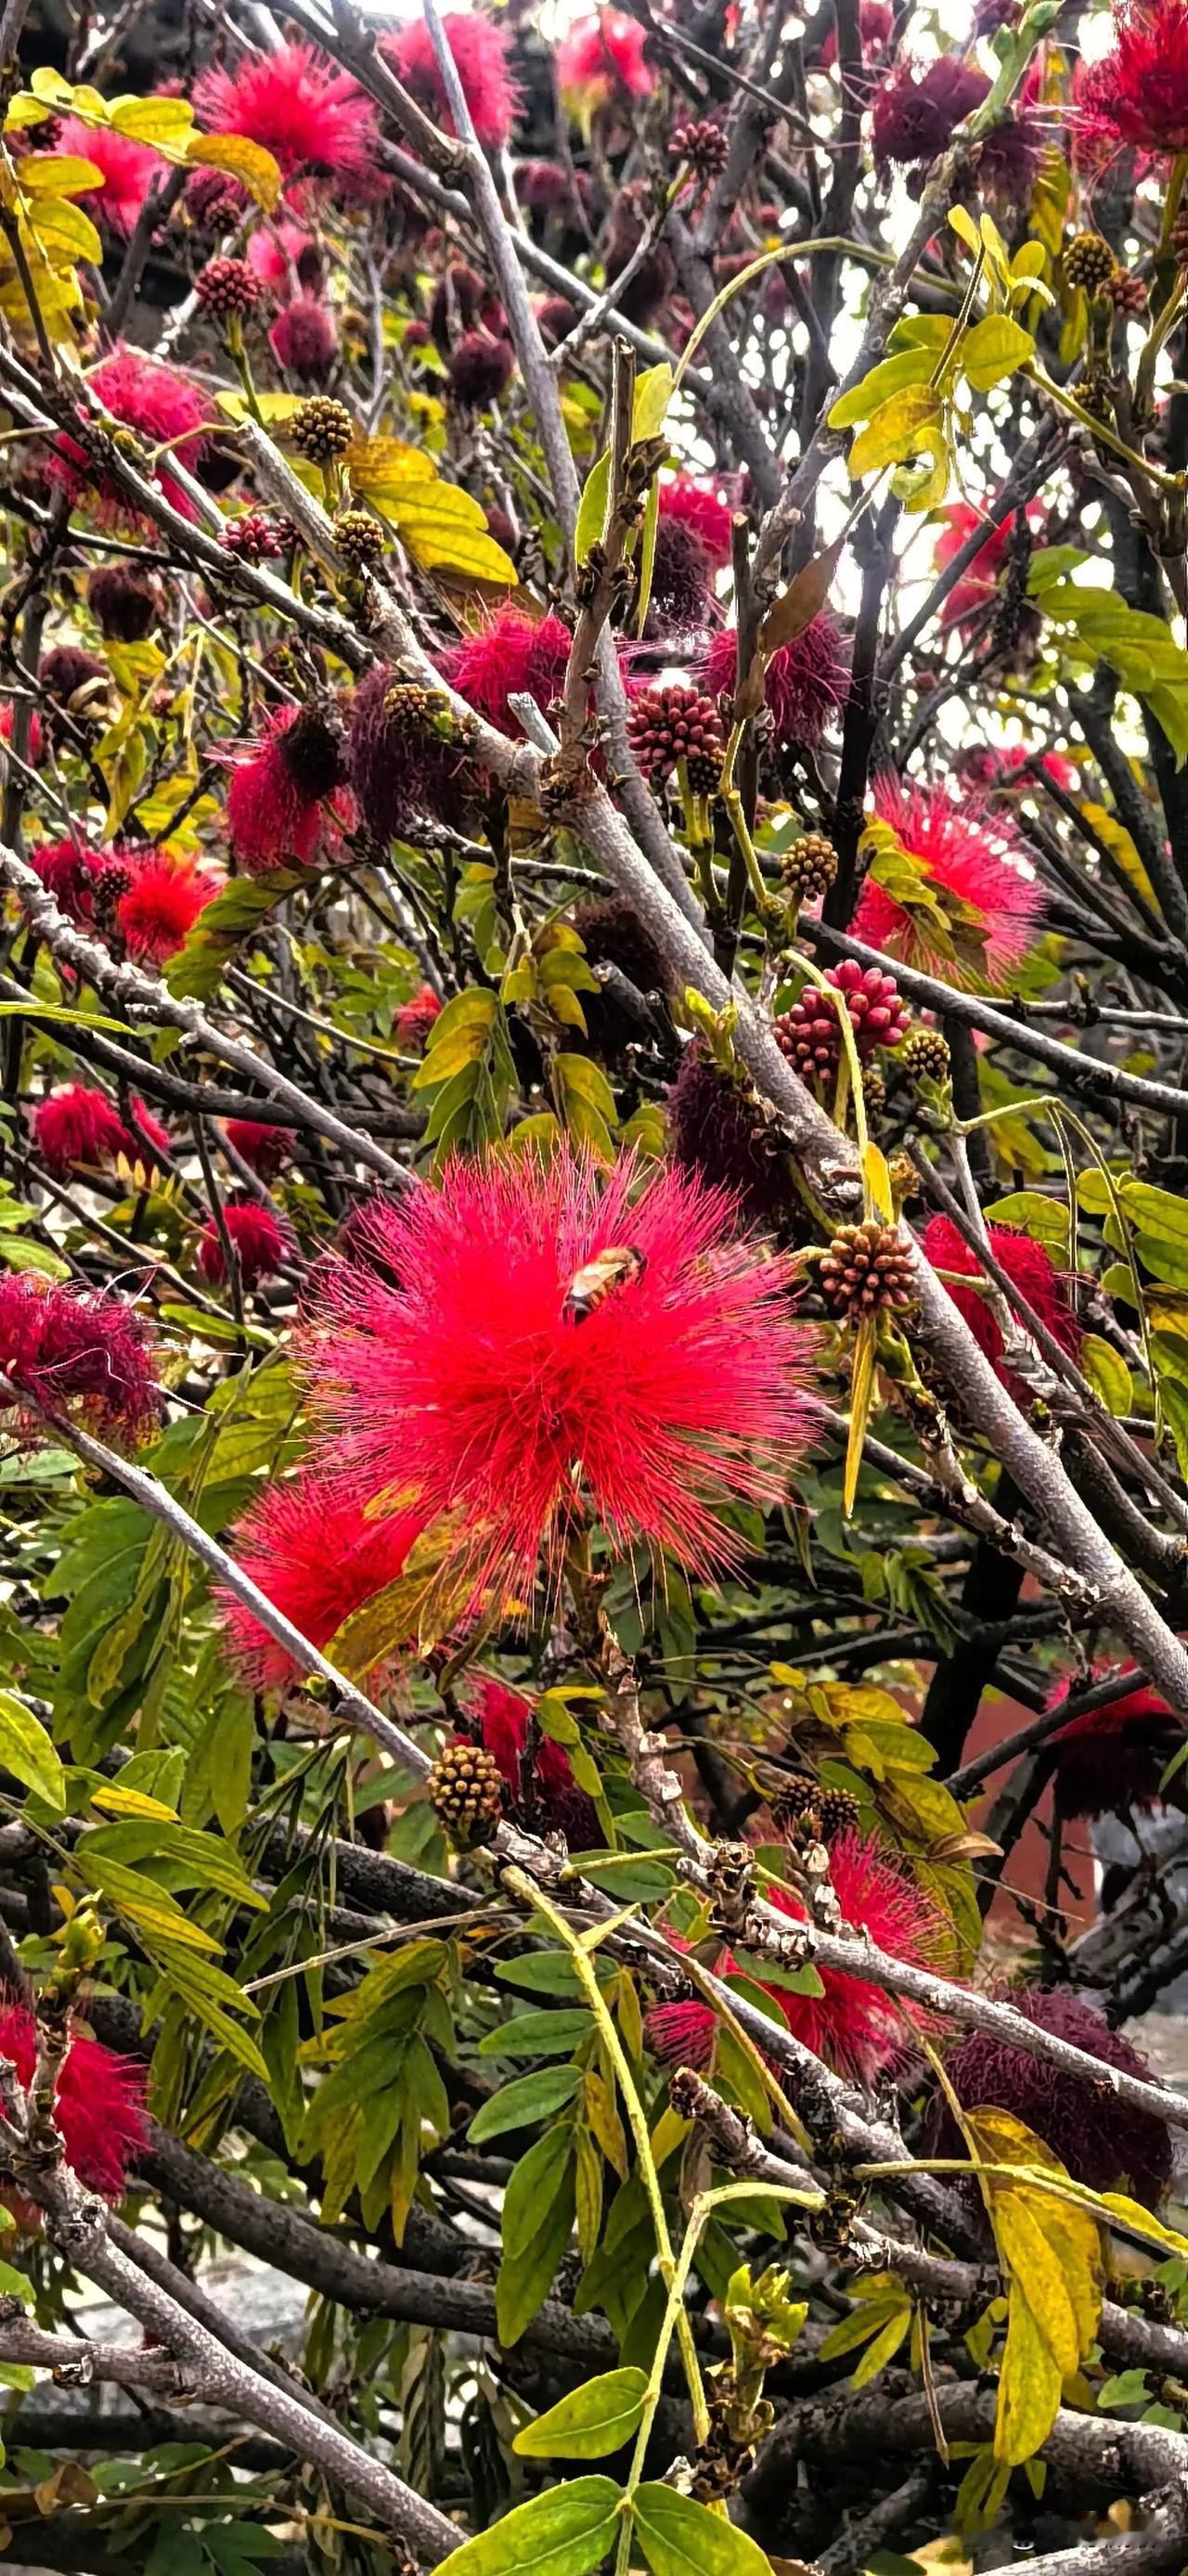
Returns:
(284, 255)
(1138, 93)
(80, 1125)
(548, 1799)
(125, 601)
(277, 799)
(601, 63)
(75, 681)
(653, 277)
(414, 1022)
(479, 48)
(480, 369)
(681, 598)
(304, 339)
(682, 1388)
(511, 654)
(966, 852)
(264, 1149)
(316, 122)
(129, 169)
(1030, 1269)
(402, 771)
(612, 933)
(1102, 2142)
(806, 683)
(159, 403)
(259, 1240)
(1111, 1759)
(77, 1348)
(687, 502)
(162, 904)
(718, 1132)
(318, 1556)
(463, 301)
(914, 115)
(98, 2105)
(876, 20)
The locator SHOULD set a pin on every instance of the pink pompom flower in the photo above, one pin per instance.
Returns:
(807, 680)
(163, 407)
(98, 2107)
(510, 654)
(1029, 1267)
(160, 907)
(602, 64)
(78, 1349)
(967, 853)
(277, 800)
(128, 168)
(521, 1408)
(914, 115)
(259, 1240)
(263, 1148)
(312, 1548)
(1138, 93)
(479, 48)
(80, 1125)
(304, 339)
(317, 123)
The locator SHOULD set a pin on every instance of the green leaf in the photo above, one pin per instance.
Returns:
(528, 2099)
(993, 349)
(590, 2422)
(653, 394)
(537, 2034)
(26, 1751)
(564, 2532)
(591, 517)
(682, 2538)
(538, 2214)
(891, 376)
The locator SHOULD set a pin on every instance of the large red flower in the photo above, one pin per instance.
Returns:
(258, 1239)
(1030, 1269)
(473, 1379)
(687, 502)
(310, 1547)
(162, 904)
(511, 654)
(277, 800)
(479, 48)
(163, 406)
(806, 681)
(967, 852)
(602, 63)
(1138, 93)
(80, 1125)
(317, 123)
(98, 2103)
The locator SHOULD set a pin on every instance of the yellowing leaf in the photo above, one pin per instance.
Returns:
(993, 349)
(61, 226)
(894, 434)
(653, 394)
(165, 122)
(1028, 2391)
(861, 1387)
(58, 174)
(379, 466)
(248, 162)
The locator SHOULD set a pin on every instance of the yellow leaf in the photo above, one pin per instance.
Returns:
(59, 174)
(49, 86)
(448, 538)
(61, 226)
(248, 162)
(165, 122)
(379, 466)
(962, 222)
(861, 1386)
(653, 394)
(1027, 2251)
(878, 1182)
(1028, 2390)
(893, 436)
(993, 349)
(25, 110)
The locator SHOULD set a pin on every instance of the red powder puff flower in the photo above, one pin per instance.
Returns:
(678, 1390)
(98, 2105)
(997, 767)
(1112, 1759)
(853, 2026)
(549, 1800)
(79, 1125)
(65, 1346)
(284, 254)
(479, 49)
(258, 1238)
(512, 654)
(162, 904)
(914, 116)
(1102, 2142)
(1138, 93)
(277, 796)
(7, 721)
(979, 581)
(718, 1132)
(129, 169)
(400, 770)
(806, 680)
(310, 1548)
(304, 339)
(416, 1019)
(601, 64)
(315, 122)
(967, 854)
(1029, 1268)
(480, 369)
(685, 502)
(163, 407)
(264, 1149)
(67, 871)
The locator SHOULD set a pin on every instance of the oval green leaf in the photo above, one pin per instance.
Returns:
(681, 2538)
(588, 2423)
(564, 2532)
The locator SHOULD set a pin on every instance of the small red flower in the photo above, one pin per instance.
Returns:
(259, 1239)
(689, 503)
(129, 169)
(479, 48)
(480, 369)
(1113, 1758)
(68, 1346)
(163, 406)
(7, 721)
(317, 123)
(967, 853)
(549, 1801)
(683, 1389)
(285, 256)
(161, 905)
(1029, 1268)
(682, 2034)
(1138, 93)
(416, 1019)
(276, 803)
(806, 682)
(311, 1548)
(98, 2104)
(511, 654)
(125, 601)
(79, 1125)
(264, 1149)
(304, 339)
(602, 63)
(1101, 2141)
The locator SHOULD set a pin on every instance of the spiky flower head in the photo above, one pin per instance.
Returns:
(124, 600)
(680, 600)
(541, 1794)
(226, 287)
(687, 501)
(602, 63)
(129, 169)
(520, 1406)
(466, 1792)
(510, 654)
(81, 1125)
(98, 2105)
(806, 1809)
(673, 724)
(416, 1018)
(78, 1350)
(263, 1148)
(914, 115)
(254, 535)
(480, 369)
(967, 853)
(317, 123)
(704, 145)
(1089, 262)
(320, 429)
(719, 1135)
(809, 866)
(163, 407)
(304, 340)
(806, 683)
(360, 539)
(1029, 1267)
(1102, 2142)
(400, 769)
(480, 51)
(809, 1033)
(925, 1056)
(276, 803)
(1112, 1759)
(867, 1271)
(1138, 93)
(318, 1554)
(157, 911)
(258, 1239)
